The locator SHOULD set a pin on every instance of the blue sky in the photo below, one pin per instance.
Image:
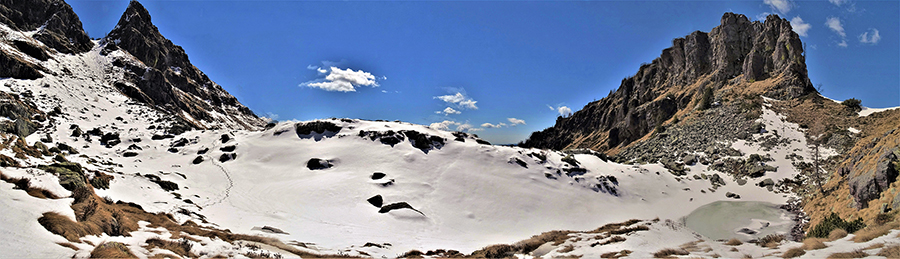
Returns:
(503, 68)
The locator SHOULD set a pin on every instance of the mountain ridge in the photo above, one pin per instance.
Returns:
(735, 54)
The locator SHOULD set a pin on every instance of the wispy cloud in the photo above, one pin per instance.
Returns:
(870, 37)
(493, 126)
(837, 2)
(799, 26)
(514, 121)
(834, 24)
(782, 6)
(341, 80)
(460, 126)
(448, 111)
(461, 100)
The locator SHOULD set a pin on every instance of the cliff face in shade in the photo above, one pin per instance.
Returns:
(168, 79)
(733, 55)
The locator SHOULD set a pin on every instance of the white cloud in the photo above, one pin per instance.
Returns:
(342, 80)
(872, 38)
(459, 99)
(782, 6)
(562, 110)
(514, 121)
(491, 126)
(843, 43)
(837, 2)
(834, 24)
(449, 111)
(445, 125)
(799, 26)
(762, 16)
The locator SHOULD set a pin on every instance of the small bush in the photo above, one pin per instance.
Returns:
(793, 252)
(734, 242)
(824, 228)
(112, 250)
(890, 251)
(569, 159)
(669, 252)
(101, 180)
(883, 218)
(706, 99)
(854, 254)
(813, 244)
(853, 104)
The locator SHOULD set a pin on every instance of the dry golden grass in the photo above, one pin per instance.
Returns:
(618, 254)
(874, 246)
(556, 237)
(836, 234)
(68, 245)
(669, 252)
(813, 244)
(793, 252)
(64, 226)
(112, 250)
(568, 248)
(873, 232)
(853, 254)
(182, 248)
(734, 242)
(890, 251)
(25, 185)
(770, 241)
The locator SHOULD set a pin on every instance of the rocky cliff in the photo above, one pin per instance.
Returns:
(738, 57)
(166, 77)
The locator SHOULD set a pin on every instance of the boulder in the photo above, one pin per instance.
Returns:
(318, 164)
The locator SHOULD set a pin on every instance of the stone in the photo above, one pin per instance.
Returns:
(318, 164)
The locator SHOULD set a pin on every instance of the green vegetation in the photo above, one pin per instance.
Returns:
(853, 104)
(833, 222)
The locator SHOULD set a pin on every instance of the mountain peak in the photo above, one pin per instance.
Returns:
(170, 80)
(737, 58)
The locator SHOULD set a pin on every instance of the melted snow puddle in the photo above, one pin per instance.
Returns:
(744, 220)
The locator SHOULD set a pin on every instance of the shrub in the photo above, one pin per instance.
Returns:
(669, 252)
(824, 228)
(112, 250)
(813, 244)
(853, 104)
(706, 99)
(734, 242)
(570, 160)
(101, 180)
(793, 252)
(883, 218)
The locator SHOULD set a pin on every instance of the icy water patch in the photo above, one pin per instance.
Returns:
(744, 220)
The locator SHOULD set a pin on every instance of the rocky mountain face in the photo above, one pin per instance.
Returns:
(737, 57)
(167, 78)
(52, 23)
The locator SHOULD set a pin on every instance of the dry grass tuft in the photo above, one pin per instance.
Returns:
(568, 248)
(813, 244)
(112, 250)
(836, 234)
(64, 226)
(495, 251)
(770, 241)
(875, 246)
(614, 239)
(68, 245)
(556, 236)
(25, 185)
(669, 252)
(890, 251)
(793, 252)
(181, 247)
(734, 242)
(854, 254)
(618, 254)
(873, 232)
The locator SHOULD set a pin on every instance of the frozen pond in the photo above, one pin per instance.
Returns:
(744, 220)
